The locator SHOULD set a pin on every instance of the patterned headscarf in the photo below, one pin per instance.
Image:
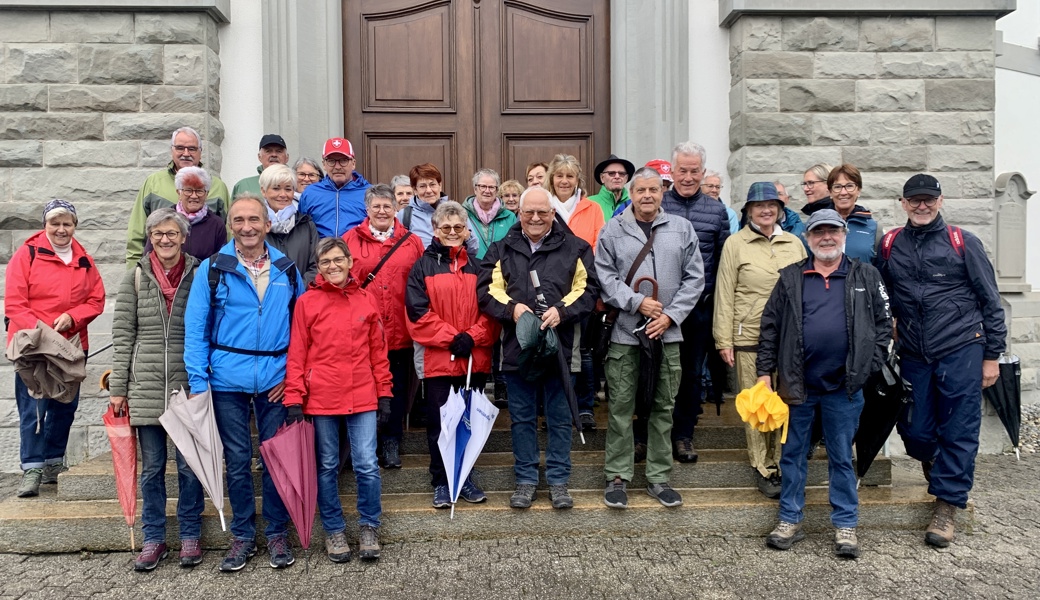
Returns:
(56, 204)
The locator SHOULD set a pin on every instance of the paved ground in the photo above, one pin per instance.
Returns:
(1000, 560)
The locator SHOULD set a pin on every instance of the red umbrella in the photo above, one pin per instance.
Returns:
(289, 458)
(124, 463)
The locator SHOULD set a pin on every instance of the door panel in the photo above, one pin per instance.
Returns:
(409, 62)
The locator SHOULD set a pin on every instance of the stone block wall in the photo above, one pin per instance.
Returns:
(893, 96)
(88, 101)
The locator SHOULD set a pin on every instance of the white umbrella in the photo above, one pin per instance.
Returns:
(191, 425)
(466, 421)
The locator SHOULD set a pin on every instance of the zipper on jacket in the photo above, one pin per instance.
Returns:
(133, 361)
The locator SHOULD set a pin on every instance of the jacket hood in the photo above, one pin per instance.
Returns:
(515, 238)
(452, 254)
(423, 207)
(273, 253)
(320, 283)
(40, 240)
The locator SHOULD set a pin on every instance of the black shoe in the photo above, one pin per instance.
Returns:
(560, 497)
(664, 494)
(640, 452)
(280, 551)
(588, 422)
(391, 454)
(237, 556)
(523, 496)
(471, 493)
(926, 468)
(615, 495)
(769, 486)
(682, 450)
(501, 394)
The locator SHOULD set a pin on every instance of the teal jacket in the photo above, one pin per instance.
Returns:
(492, 232)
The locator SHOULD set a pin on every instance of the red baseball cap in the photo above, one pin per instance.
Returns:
(338, 146)
(662, 166)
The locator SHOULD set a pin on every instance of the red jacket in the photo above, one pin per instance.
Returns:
(48, 287)
(442, 301)
(337, 361)
(387, 290)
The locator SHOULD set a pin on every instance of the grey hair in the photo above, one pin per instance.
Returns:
(309, 161)
(275, 174)
(250, 196)
(198, 138)
(709, 173)
(399, 180)
(162, 215)
(61, 211)
(487, 173)
(689, 148)
(533, 188)
(820, 170)
(186, 172)
(380, 190)
(325, 245)
(448, 208)
(646, 173)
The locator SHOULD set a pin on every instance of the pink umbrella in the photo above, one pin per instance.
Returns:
(124, 462)
(289, 458)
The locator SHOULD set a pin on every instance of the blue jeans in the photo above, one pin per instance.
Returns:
(152, 440)
(523, 410)
(944, 420)
(55, 421)
(840, 422)
(231, 410)
(361, 428)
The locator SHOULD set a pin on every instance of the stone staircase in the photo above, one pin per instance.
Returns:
(719, 494)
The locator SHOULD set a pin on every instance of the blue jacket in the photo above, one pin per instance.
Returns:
(418, 218)
(864, 234)
(941, 300)
(793, 224)
(710, 221)
(242, 325)
(335, 209)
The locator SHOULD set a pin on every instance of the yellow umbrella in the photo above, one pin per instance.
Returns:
(761, 408)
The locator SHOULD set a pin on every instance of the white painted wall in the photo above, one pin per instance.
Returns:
(1022, 27)
(709, 89)
(241, 90)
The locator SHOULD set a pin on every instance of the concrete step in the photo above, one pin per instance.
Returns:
(94, 480)
(45, 524)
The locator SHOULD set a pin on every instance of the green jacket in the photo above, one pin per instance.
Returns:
(248, 184)
(605, 199)
(158, 192)
(148, 343)
(491, 233)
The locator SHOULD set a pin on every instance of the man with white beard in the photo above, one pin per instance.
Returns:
(825, 329)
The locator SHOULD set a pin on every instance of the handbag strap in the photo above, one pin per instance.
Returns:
(379, 265)
(641, 257)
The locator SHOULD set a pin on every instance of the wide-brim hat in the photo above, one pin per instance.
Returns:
(629, 167)
(762, 191)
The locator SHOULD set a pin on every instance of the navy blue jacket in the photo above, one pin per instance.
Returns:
(864, 234)
(941, 300)
(711, 223)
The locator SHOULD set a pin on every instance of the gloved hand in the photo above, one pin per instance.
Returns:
(383, 414)
(293, 414)
(461, 345)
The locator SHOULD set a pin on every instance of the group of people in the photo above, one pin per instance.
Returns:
(313, 294)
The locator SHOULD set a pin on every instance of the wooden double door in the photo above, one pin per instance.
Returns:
(470, 84)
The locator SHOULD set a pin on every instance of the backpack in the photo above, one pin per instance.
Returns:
(955, 233)
(406, 217)
(220, 264)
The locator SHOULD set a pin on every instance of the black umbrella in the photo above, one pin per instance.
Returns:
(565, 373)
(538, 347)
(1005, 396)
(650, 353)
(885, 397)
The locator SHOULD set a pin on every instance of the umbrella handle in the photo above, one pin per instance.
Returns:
(469, 370)
(651, 281)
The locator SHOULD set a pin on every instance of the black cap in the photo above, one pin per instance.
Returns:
(922, 184)
(629, 167)
(272, 139)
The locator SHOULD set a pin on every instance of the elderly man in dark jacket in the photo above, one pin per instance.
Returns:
(825, 329)
(951, 332)
(565, 268)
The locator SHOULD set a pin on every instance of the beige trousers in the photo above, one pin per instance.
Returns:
(763, 447)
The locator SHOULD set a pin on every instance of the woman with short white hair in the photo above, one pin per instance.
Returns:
(292, 232)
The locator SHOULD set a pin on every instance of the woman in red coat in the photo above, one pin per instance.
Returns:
(381, 242)
(338, 375)
(448, 327)
(51, 278)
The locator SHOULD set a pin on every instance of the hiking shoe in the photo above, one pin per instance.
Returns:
(664, 494)
(368, 545)
(191, 553)
(769, 486)
(588, 421)
(785, 535)
(845, 543)
(523, 496)
(560, 497)
(640, 452)
(615, 495)
(926, 468)
(391, 454)
(280, 551)
(150, 556)
(441, 497)
(471, 493)
(940, 532)
(238, 555)
(337, 547)
(50, 473)
(30, 483)
(683, 450)
(501, 394)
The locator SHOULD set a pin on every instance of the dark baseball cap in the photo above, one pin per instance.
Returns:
(272, 139)
(922, 184)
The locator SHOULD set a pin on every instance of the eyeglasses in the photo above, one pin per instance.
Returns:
(616, 173)
(381, 208)
(339, 261)
(542, 214)
(339, 162)
(712, 186)
(812, 182)
(916, 202)
(428, 186)
(446, 229)
(486, 188)
(190, 192)
(848, 187)
(192, 149)
(304, 175)
(157, 236)
(824, 231)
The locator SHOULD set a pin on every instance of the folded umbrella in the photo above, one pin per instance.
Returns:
(885, 397)
(651, 352)
(1005, 396)
(49, 365)
(537, 346)
(191, 425)
(289, 459)
(124, 463)
(763, 409)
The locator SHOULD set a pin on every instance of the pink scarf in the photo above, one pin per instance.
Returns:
(194, 217)
(487, 216)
